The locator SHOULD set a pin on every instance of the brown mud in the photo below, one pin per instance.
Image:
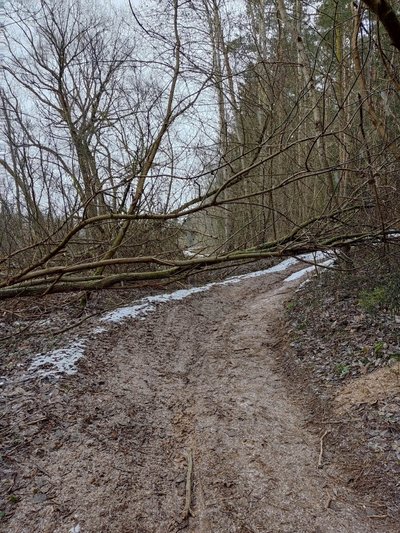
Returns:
(179, 422)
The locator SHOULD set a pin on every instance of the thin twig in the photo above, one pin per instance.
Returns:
(32, 422)
(321, 448)
(187, 511)
(328, 502)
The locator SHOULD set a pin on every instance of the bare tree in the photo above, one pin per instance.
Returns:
(121, 133)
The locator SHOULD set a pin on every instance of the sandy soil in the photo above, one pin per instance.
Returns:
(369, 389)
(181, 422)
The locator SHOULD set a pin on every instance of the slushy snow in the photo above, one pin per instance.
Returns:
(64, 360)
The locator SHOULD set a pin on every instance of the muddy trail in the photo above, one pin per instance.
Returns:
(182, 422)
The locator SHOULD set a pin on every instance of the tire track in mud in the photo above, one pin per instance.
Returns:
(255, 465)
(196, 376)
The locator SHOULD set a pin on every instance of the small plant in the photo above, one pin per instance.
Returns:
(342, 369)
(393, 294)
(378, 348)
(372, 300)
(386, 296)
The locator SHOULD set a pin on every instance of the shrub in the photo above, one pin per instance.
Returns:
(372, 300)
(385, 296)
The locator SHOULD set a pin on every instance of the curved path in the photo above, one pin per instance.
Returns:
(180, 422)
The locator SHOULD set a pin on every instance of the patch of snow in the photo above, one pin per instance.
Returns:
(64, 360)
(191, 253)
(60, 361)
(180, 294)
(327, 263)
(75, 529)
(303, 283)
(99, 329)
(300, 273)
(280, 267)
(44, 322)
(148, 304)
(122, 313)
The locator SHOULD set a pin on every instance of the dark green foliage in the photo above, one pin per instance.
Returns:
(386, 296)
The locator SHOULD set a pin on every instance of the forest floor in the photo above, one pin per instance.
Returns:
(239, 409)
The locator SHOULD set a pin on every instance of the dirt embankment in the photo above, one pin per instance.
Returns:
(345, 360)
(179, 422)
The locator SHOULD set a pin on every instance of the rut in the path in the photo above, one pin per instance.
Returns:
(195, 379)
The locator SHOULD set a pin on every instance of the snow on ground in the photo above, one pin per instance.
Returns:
(61, 361)
(300, 273)
(192, 253)
(122, 313)
(64, 360)
(146, 305)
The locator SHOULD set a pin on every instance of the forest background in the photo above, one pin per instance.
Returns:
(151, 140)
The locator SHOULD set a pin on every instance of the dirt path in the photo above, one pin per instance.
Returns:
(195, 380)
